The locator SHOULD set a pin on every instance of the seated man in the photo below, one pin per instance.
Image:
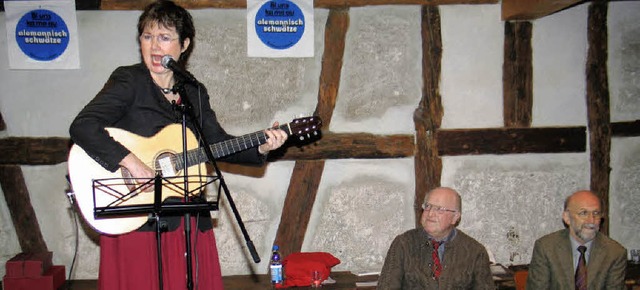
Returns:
(437, 256)
(578, 257)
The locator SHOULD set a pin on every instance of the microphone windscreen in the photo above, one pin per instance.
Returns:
(166, 60)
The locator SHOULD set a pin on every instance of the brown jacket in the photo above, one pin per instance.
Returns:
(552, 263)
(408, 264)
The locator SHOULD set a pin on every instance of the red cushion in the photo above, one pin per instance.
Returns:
(298, 267)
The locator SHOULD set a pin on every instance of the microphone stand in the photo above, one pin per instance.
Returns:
(186, 107)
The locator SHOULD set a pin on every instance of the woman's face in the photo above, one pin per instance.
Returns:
(157, 41)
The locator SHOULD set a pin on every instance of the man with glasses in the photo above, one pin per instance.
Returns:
(578, 257)
(438, 255)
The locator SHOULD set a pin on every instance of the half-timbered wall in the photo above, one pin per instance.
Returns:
(367, 79)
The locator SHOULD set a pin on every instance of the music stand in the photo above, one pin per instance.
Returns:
(154, 211)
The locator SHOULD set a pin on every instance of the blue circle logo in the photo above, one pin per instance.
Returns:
(280, 24)
(42, 35)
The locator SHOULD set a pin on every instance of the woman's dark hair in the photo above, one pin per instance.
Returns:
(168, 14)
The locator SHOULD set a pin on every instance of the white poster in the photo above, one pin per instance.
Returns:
(280, 28)
(42, 34)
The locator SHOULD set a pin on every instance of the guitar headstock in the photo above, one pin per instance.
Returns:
(305, 127)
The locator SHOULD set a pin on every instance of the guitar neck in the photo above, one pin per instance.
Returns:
(226, 148)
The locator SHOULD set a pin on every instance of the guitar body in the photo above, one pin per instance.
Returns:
(83, 171)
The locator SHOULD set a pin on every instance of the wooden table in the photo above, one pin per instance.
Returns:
(344, 281)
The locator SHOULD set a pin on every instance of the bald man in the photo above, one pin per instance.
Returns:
(438, 255)
(556, 256)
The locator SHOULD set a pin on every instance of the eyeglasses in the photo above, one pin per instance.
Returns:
(162, 38)
(585, 214)
(439, 209)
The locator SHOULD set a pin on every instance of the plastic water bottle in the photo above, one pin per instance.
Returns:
(275, 266)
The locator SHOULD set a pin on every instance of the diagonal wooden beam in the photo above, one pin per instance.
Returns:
(533, 9)
(306, 176)
(22, 214)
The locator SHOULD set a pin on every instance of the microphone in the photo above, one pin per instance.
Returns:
(168, 62)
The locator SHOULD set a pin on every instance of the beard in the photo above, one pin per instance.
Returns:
(586, 232)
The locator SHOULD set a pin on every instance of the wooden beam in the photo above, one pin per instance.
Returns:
(298, 205)
(511, 141)
(31, 151)
(22, 214)
(625, 129)
(428, 116)
(450, 142)
(34, 151)
(329, 4)
(533, 9)
(88, 5)
(306, 176)
(80, 5)
(517, 75)
(598, 114)
(353, 145)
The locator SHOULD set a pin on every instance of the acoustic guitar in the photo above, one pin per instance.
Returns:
(97, 189)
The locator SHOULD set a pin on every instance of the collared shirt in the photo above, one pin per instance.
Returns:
(576, 254)
(448, 238)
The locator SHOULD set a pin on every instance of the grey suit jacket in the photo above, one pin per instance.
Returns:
(551, 264)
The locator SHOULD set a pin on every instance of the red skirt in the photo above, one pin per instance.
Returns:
(129, 261)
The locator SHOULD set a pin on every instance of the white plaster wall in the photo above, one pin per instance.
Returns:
(624, 87)
(472, 49)
(361, 204)
(559, 64)
(381, 79)
(510, 201)
(624, 206)
(624, 61)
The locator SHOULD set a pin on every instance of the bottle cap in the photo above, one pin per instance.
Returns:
(275, 247)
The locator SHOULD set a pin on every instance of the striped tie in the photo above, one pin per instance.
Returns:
(437, 267)
(581, 270)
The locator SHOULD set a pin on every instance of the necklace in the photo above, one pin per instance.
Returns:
(166, 90)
